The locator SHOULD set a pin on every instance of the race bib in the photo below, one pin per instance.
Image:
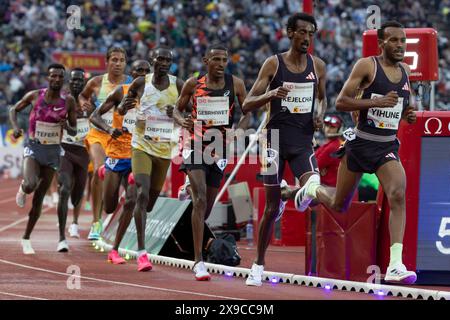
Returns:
(82, 131)
(221, 163)
(299, 98)
(270, 155)
(385, 118)
(213, 110)
(48, 133)
(111, 162)
(349, 134)
(27, 152)
(159, 128)
(129, 121)
(108, 117)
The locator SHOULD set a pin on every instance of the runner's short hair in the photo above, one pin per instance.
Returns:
(56, 66)
(387, 24)
(79, 69)
(111, 50)
(216, 46)
(292, 21)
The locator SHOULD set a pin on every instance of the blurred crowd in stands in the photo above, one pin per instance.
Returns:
(252, 30)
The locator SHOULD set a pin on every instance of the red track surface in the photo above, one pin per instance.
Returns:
(43, 275)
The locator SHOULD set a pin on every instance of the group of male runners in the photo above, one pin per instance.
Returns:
(133, 124)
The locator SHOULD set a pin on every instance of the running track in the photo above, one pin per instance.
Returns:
(44, 275)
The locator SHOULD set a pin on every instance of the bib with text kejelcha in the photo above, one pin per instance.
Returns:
(299, 98)
(129, 121)
(385, 118)
(214, 111)
(48, 133)
(158, 128)
(82, 131)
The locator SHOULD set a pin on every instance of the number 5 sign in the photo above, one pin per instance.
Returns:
(421, 51)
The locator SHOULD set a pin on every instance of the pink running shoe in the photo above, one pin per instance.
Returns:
(114, 258)
(101, 172)
(143, 263)
(131, 179)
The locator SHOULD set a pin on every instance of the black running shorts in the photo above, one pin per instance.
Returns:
(301, 160)
(367, 156)
(213, 173)
(45, 154)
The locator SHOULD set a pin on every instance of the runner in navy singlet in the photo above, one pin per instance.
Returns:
(292, 84)
(379, 90)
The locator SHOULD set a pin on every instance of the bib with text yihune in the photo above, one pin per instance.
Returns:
(385, 118)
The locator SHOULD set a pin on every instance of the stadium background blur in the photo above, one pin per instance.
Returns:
(252, 30)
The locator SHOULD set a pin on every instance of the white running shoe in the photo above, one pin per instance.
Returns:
(26, 246)
(282, 206)
(62, 246)
(48, 201)
(201, 273)
(303, 197)
(399, 274)
(73, 231)
(55, 198)
(21, 197)
(93, 233)
(255, 276)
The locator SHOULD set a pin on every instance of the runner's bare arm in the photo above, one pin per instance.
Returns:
(84, 98)
(322, 74)
(258, 95)
(183, 101)
(321, 94)
(113, 99)
(71, 126)
(188, 108)
(241, 94)
(19, 106)
(362, 72)
(409, 114)
(134, 94)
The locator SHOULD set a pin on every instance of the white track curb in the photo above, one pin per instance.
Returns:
(343, 285)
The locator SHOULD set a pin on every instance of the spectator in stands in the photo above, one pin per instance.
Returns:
(253, 30)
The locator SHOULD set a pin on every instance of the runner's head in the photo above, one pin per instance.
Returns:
(76, 82)
(392, 40)
(56, 73)
(300, 29)
(216, 60)
(161, 60)
(140, 68)
(116, 60)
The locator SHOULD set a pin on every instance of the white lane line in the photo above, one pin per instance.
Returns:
(121, 283)
(13, 224)
(21, 220)
(5, 190)
(21, 296)
(8, 200)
